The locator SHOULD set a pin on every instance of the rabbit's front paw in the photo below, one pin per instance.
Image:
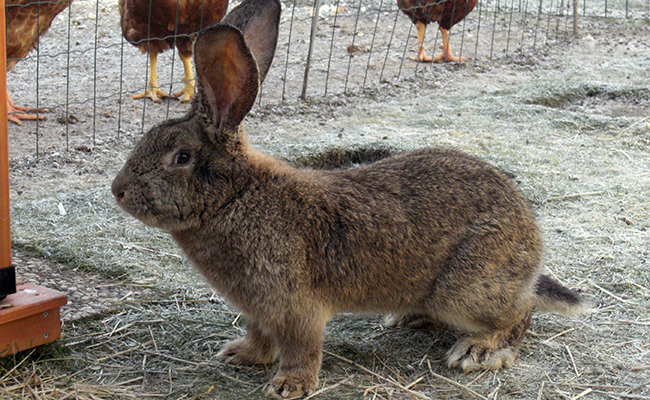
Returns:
(284, 386)
(247, 352)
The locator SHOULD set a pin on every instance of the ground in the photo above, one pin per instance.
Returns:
(569, 121)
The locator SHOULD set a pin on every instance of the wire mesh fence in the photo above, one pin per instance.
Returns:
(85, 72)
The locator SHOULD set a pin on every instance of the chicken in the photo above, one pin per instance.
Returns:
(172, 22)
(26, 22)
(446, 13)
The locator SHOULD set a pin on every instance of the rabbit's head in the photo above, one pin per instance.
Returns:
(183, 170)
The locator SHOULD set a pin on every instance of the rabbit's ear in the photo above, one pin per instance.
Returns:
(227, 75)
(259, 21)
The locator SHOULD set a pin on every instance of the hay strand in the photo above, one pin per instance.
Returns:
(376, 375)
(459, 385)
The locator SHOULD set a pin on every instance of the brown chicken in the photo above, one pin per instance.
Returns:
(171, 23)
(27, 21)
(446, 13)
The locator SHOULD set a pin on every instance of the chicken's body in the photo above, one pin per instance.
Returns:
(171, 23)
(446, 13)
(26, 22)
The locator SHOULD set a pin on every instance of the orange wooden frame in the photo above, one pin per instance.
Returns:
(32, 317)
(5, 234)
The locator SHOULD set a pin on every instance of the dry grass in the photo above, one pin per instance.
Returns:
(165, 347)
(28, 380)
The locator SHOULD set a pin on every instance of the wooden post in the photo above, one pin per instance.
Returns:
(7, 273)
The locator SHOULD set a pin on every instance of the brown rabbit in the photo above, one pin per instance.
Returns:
(433, 233)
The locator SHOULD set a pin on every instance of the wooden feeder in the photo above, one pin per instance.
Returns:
(31, 316)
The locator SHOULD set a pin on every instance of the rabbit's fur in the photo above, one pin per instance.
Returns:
(433, 233)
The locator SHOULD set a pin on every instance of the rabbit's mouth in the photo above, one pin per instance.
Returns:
(137, 206)
(138, 209)
(166, 217)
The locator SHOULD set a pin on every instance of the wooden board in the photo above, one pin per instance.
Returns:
(29, 318)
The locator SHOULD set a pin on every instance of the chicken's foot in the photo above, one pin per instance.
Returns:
(17, 114)
(187, 92)
(420, 55)
(153, 91)
(446, 55)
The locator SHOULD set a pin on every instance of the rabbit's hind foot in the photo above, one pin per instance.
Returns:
(473, 354)
(491, 350)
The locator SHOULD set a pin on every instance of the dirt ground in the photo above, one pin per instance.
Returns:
(570, 121)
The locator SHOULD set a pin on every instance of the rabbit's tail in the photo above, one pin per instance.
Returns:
(550, 295)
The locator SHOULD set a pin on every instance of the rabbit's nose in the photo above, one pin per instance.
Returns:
(118, 188)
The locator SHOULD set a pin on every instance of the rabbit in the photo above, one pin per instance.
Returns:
(434, 233)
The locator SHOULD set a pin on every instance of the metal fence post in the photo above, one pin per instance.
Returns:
(312, 38)
(575, 18)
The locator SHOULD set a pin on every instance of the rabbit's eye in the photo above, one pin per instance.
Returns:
(182, 158)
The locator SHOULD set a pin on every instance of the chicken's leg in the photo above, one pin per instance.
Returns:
(420, 56)
(17, 114)
(153, 91)
(188, 91)
(446, 55)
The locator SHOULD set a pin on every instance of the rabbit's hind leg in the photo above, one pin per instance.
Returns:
(255, 348)
(491, 350)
